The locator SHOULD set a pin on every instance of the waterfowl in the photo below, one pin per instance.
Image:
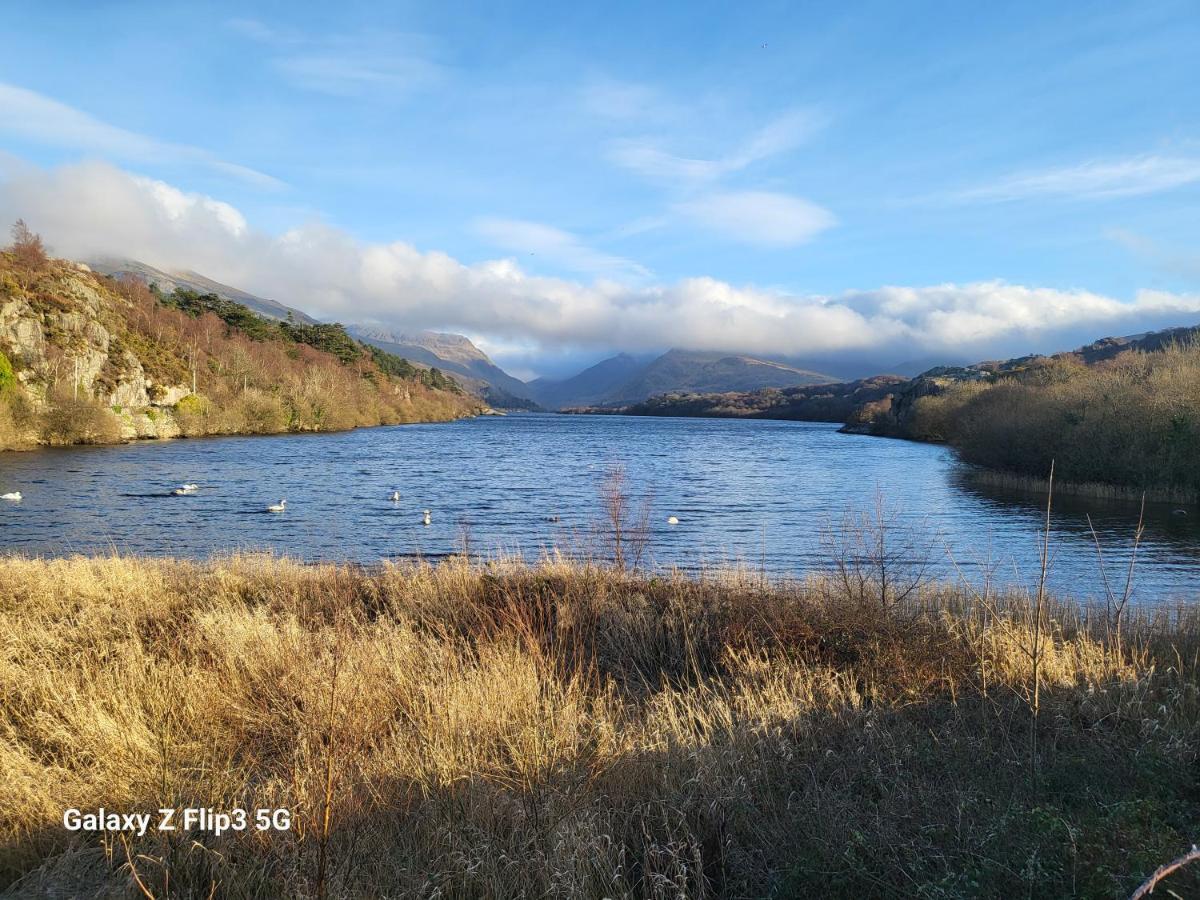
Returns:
(277, 507)
(551, 518)
(14, 496)
(394, 495)
(671, 520)
(427, 520)
(188, 488)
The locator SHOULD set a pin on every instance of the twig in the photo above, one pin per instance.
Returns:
(1163, 871)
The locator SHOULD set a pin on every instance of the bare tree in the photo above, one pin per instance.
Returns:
(627, 529)
(877, 558)
(27, 247)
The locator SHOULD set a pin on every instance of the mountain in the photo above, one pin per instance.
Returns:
(623, 379)
(593, 385)
(167, 282)
(455, 354)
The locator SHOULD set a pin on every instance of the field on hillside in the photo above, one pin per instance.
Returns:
(571, 730)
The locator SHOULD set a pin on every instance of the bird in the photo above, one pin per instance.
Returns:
(551, 518)
(188, 488)
(671, 520)
(427, 521)
(394, 495)
(277, 507)
(14, 496)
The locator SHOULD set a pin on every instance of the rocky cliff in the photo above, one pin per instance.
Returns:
(63, 332)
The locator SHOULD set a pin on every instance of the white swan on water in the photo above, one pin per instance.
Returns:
(427, 521)
(671, 520)
(14, 496)
(188, 488)
(277, 507)
(394, 495)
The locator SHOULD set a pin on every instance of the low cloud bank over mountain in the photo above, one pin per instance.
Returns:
(94, 209)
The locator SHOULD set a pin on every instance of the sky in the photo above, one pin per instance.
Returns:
(863, 182)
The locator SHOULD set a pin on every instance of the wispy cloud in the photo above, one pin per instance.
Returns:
(556, 247)
(646, 157)
(1132, 176)
(759, 217)
(95, 209)
(346, 64)
(1171, 260)
(627, 101)
(32, 116)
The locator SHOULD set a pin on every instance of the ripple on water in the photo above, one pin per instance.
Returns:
(757, 491)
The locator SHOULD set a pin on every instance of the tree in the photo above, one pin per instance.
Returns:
(27, 247)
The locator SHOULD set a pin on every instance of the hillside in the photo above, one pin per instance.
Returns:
(169, 282)
(1120, 412)
(456, 354)
(89, 359)
(810, 403)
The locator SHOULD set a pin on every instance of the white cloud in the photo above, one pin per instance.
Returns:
(759, 217)
(29, 115)
(556, 246)
(1096, 179)
(95, 209)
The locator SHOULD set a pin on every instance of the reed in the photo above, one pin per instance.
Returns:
(568, 729)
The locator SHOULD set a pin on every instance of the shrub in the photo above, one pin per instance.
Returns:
(82, 421)
(8, 378)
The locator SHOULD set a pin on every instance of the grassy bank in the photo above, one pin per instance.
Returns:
(568, 730)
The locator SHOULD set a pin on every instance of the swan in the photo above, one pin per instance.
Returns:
(394, 495)
(427, 517)
(277, 507)
(183, 489)
(671, 520)
(14, 496)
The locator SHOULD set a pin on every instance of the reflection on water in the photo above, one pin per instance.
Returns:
(758, 492)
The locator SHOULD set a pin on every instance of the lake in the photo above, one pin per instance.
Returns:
(760, 493)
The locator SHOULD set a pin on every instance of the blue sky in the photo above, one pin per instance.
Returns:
(760, 169)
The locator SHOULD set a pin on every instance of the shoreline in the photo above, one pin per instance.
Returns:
(180, 436)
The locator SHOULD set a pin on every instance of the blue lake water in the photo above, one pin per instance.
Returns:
(761, 493)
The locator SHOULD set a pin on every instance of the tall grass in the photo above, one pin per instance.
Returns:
(568, 729)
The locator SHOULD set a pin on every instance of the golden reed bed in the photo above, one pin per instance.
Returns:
(570, 730)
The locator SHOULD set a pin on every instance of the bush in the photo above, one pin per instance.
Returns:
(82, 421)
(8, 378)
(260, 413)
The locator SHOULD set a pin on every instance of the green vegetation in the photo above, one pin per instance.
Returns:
(574, 730)
(8, 378)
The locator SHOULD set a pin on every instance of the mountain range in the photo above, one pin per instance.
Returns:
(616, 381)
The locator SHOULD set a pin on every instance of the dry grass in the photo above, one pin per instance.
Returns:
(567, 730)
